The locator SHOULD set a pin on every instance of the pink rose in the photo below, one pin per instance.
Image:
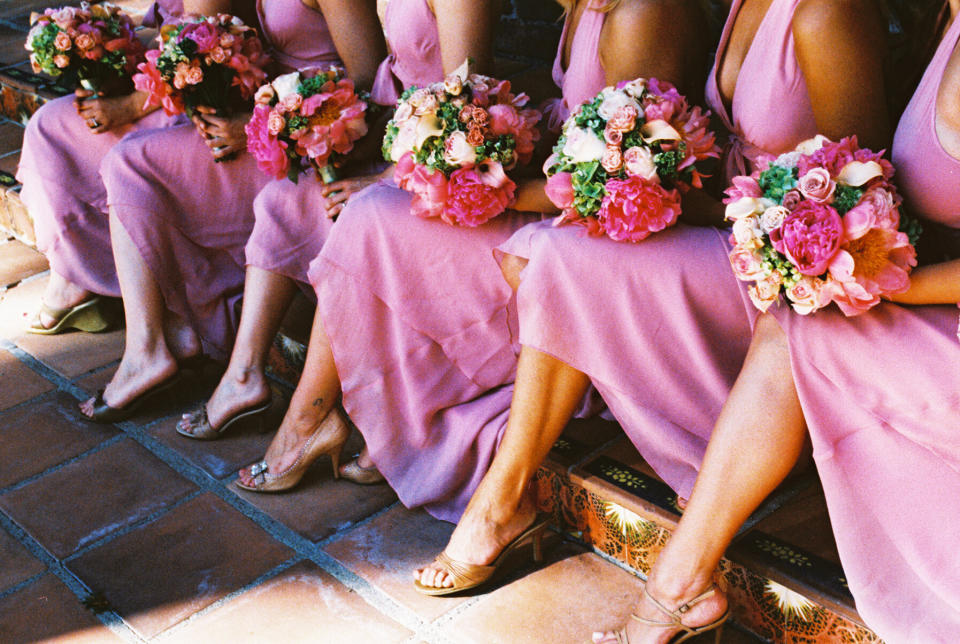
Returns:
(792, 199)
(766, 291)
(292, 102)
(194, 75)
(612, 137)
(809, 237)
(746, 263)
(403, 113)
(624, 119)
(634, 208)
(84, 41)
(817, 185)
(62, 42)
(219, 55)
(559, 190)
(61, 61)
(747, 232)
(638, 161)
(876, 208)
(475, 195)
(773, 217)
(612, 160)
(275, 123)
(805, 295)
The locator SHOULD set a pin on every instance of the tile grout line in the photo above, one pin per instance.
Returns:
(59, 466)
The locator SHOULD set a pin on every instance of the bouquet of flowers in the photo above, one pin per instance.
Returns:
(453, 143)
(214, 61)
(624, 158)
(821, 224)
(305, 119)
(94, 46)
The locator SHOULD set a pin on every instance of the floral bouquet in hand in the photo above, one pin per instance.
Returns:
(93, 46)
(304, 119)
(821, 224)
(624, 158)
(215, 61)
(453, 143)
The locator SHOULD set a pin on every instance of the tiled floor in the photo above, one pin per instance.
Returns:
(133, 533)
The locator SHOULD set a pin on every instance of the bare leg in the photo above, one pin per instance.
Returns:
(266, 297)
(147, 360)
(757, 439)
(61, 294)
(546, 395)
(314, 398)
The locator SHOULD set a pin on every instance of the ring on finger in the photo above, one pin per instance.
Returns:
(93, 123)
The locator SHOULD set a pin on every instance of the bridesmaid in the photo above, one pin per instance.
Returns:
(878, 393)
(426, 40)
(676, 323)
(63, 146)
(291, 222)
(179, 220)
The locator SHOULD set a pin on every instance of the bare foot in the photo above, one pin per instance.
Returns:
(137, 373)
(239, 389)
(61, 294)
(702, 612)
(295, 430)
(478, 539)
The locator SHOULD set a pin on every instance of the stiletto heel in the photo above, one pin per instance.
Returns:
(328, 438)
(538, 547)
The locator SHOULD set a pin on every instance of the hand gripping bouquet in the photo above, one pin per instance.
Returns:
(214, 61)
(453, 143)
(821, 224)
(304, 119)
(93, 46)
(624, 158)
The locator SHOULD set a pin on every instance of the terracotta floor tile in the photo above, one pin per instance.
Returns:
(22, 382)
(74, 353)
(564, 602)
(18, 306)
(169, 569)
(95, 496)
(16, 563)
(183, 397)
(302, 604)
(320, 505)
(43, 434)
(387, 550)
(19, 261)
(46, 610)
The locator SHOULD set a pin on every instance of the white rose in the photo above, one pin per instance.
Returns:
(456, 150)
(788, 160)
(639, 162)
(286, 84)
(636, 87)
(583, 146)
(747, 232)
(772, 218)
(613, 100)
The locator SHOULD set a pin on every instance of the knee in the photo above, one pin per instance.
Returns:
(511, 267)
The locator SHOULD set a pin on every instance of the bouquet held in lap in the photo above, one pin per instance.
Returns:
(624, 158)
(453, 143)
(821, 224)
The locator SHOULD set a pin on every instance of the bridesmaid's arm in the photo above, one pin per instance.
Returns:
(210, 7)
(841, 49)
(530, 197)
(356, 34)
(933, 284)
(466, 29)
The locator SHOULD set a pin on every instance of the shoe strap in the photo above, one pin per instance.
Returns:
(259, 470)
(463, 573)
(676, 616)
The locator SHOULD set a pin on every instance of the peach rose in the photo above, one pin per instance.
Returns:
(816, 185)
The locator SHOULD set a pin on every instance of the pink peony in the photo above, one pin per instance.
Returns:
(476, 195)
(667, 104)
(634, 208)
(429, 187)
(269, 152)
(876, 208)
(559, 190)
(520, 124)
(203, 34)
(809, 237)
(817, 185)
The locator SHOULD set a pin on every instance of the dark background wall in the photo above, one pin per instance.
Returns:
(529, 30)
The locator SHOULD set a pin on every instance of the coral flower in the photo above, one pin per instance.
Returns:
(634, 208)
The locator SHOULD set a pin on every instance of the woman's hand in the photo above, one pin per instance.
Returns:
(105, 114)
(224, 135)
(337, 193)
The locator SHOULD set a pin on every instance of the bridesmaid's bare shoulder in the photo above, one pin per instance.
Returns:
(827, 21)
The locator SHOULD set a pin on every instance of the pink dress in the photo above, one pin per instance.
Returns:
(662, 327)
(62, 189)
(881, 395)
(424, 337)
(191, 217)
(291, 223)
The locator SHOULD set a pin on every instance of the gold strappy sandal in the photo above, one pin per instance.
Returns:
(676, 619)
(467, 576)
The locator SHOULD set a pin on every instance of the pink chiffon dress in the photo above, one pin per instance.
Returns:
(881, 396)
(62, 189)
(291, 223)
(191, 217)
(662, 326)
(423, 327)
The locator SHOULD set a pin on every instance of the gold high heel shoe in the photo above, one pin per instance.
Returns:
(676, 619)
(329, 438)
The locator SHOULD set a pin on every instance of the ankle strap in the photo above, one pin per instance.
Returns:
(677, 614)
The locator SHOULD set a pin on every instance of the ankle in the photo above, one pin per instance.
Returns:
(676, 589)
